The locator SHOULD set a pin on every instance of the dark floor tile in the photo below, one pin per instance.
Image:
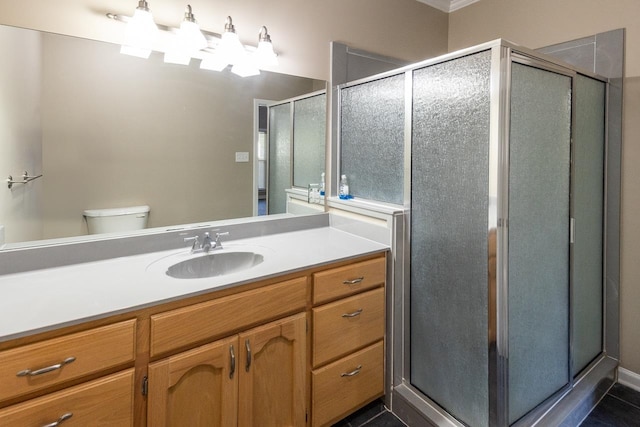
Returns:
(613, 412)
(386, 419)
(363, 415)
(627, 394)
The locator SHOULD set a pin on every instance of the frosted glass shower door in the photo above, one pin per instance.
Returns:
(588, 206)
(279, 157)
(449, 236)
(309, 128)
(538, 230)
(372, 139)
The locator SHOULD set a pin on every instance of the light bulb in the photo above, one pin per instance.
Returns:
(187, 42)
(264, 54)
(141, 32)
(245, 66)
(230, 49)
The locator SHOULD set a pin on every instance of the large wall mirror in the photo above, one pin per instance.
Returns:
(108, 130)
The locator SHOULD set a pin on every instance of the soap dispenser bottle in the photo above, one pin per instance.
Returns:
(322, 184)
(344, 188)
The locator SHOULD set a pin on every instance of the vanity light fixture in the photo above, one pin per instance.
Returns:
(212, 62)
(230, 49)
(187, 42)
(264, 54)
(245, 66)
(215, 51)
(141, 32)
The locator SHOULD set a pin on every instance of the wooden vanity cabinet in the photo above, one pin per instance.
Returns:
(51, 364)
(270, 354)
(272, 374)
(348, 320)
(198, 387)
(254, 378)
(251, 377)
(104, 402)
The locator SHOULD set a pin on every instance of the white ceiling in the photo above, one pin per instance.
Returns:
(448, 5)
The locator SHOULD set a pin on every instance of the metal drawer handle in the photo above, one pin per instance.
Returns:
(60, 420)
(353, 281)
(352, 373)
(232, 355)
(248, 347)
(354, 314)
(30, 373)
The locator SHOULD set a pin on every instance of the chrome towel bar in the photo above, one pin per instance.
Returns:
(25, 178)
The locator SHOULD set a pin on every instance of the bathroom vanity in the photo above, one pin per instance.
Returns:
(297, 340)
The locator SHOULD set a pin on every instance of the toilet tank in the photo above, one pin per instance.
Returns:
(116, 219)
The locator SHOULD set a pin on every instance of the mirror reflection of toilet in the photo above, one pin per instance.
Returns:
(116, 219)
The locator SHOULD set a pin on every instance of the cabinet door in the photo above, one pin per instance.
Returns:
(195, 388)
(272, 374)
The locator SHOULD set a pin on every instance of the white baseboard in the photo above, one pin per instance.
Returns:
(629, 378)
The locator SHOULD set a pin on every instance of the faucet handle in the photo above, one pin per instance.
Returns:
(218, 235)
(195, 241)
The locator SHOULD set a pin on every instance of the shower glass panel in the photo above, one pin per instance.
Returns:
(449, 236)
(309, 128)
(372, 139)
(279, 157)
(538, 274)
(587, 289)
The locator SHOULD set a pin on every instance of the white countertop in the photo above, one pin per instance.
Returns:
(47, 299)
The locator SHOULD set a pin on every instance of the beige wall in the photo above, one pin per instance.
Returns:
(20, 134)
(301, 31)
(122, 131)
(545, 22)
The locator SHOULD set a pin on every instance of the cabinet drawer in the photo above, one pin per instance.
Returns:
(347, 384)
(350, 279)
(348, 324)
(36, 366)
(104, 402)
(220, 317)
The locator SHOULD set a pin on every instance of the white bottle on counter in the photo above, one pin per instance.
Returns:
(344, 188)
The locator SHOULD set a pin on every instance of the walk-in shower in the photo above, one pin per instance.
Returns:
(498, 316)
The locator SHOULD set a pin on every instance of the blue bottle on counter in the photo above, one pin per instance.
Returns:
(344, 188)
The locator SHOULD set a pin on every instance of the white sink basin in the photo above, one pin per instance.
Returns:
(214, 264)
(233, 258)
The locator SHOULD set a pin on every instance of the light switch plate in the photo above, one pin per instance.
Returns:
(242, 156)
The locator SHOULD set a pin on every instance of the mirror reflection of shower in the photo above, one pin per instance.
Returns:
(295, 147)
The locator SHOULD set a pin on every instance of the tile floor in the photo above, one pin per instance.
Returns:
(372, 415)
(619, 408)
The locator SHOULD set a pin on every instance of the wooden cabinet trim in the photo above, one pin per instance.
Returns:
(336, 334)
(165, 374)
(347, 280)
(108, 399)
(293, 331)
(94, 350)
(334, 394)
(220, 317)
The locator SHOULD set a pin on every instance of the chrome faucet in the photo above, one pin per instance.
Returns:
(207, 242)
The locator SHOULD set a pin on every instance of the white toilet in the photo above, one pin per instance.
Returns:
(118, 219)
